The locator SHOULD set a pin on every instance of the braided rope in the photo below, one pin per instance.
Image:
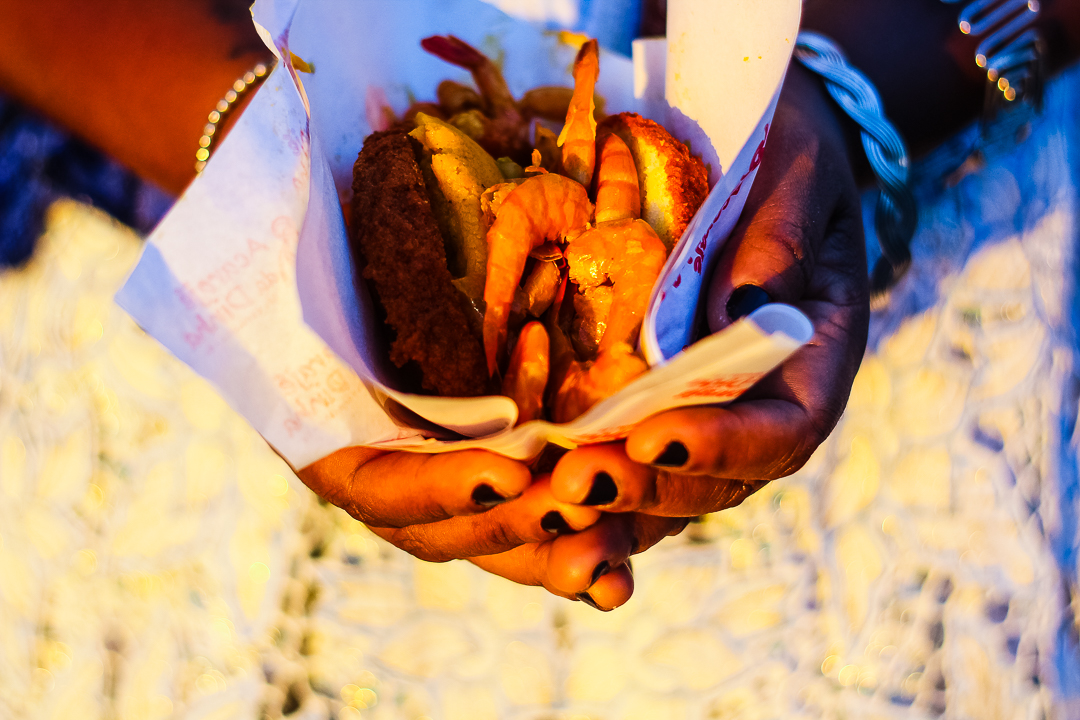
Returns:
(895, 215)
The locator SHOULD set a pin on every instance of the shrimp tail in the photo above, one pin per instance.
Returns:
(527, 373)
(578, 136)
(489, 79)
(454, 50)
(579, 385)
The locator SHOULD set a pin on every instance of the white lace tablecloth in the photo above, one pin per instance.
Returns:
(158, 561)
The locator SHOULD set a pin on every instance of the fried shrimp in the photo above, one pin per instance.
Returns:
(578, 136)
(527, 373)
(629, 255)
(505, 130)
(614, 266)
(455, 97)
(544, 208)
(548, 102)
(617, 194)
(552, 102)
(580, 385)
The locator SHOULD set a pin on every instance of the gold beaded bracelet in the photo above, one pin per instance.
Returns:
(252, 78)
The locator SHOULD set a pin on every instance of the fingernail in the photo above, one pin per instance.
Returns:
(674, 455)
(603, 491)
(554, 523)
(744, 300)
(600, 571)
(485, 496)
(630, 565)
(587, 599)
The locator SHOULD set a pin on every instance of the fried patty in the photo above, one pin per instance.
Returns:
(400, 249)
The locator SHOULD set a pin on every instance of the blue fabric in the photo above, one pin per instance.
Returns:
(614, 23)
(39, 163)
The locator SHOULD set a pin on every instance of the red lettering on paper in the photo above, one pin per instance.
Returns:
(720, 389)
(698, 260)
(231, 293)
(602, 436)
(699, 255)
(184, 295)
(320, 387)
(203, 327)
(337, 382)
(302, 148)
(293, 425)
(756, 160)
(237, 298)
(224, 277)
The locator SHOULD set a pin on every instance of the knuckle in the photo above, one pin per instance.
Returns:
(501, 535)
(789, 463)
(348, 499)
(728, 494)
(785, 241)
(794, 460)
(406, 539)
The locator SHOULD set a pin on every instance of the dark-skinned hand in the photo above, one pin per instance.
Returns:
(799, 241)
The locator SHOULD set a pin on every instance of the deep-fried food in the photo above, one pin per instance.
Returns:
(520, 240)
(395, 234)
(544, 208)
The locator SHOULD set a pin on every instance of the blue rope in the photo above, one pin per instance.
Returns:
(896, 215)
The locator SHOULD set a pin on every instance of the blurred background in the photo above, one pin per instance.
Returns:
(157, 560)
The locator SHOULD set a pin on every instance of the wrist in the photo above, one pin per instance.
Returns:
(895, 215)
(807, 101)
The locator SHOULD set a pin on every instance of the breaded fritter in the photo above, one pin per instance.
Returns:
(400, 249)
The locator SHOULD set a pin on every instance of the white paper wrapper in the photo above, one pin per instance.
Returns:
(249, 279)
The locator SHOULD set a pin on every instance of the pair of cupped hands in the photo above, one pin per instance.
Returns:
(573, 530)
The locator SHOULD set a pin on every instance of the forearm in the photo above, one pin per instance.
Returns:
(923, 66)
(135, 79)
